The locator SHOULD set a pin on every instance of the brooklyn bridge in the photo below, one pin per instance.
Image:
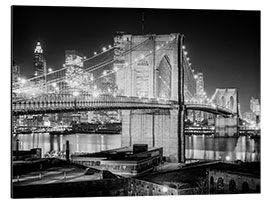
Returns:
(153, 86)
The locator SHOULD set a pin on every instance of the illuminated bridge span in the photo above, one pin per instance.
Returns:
(139, 72)
(210, 108)
(55, 103)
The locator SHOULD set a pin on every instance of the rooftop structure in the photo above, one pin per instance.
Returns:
(58, 178)
(125, 161)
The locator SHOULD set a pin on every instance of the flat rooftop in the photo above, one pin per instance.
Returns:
(189, 175)
(123, 153)
(59, 173)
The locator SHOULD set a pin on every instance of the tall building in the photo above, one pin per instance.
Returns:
(200, 84)
(73, 58)
(39, 61)
(15, 72)
(255, 106)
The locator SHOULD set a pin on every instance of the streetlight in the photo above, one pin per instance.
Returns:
(50, 70)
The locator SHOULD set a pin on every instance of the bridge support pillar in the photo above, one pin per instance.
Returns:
(155, 128)
(226, 126)
(126, 128)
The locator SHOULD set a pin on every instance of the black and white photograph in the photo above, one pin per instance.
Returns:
(134, 101)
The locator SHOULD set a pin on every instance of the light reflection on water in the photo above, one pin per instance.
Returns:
(197, 147)
(223, 148)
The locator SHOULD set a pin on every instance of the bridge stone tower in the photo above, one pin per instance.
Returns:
(227, 97)
(151, 69)
(154, 76)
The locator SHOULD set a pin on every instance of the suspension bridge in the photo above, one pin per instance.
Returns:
(139, 73)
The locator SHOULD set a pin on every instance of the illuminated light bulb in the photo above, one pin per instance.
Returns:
(165, 189)
(135, 60)
(104, 73)
(142, 56)
(75, 94)
(110, 46)
(64, 65)
(151, 52)
(54, 84)
(167, 42)
(188, 58)
(183, 46)
(84, 57)
(158, 47)
(50, 70)
(190, 64)
(95, 53)
(126, 64)
(185, 52)
(115, 69)
(104, 49)
(23, 81)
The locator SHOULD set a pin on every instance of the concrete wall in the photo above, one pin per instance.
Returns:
(253, 182)
(144, 188)
(157, 129)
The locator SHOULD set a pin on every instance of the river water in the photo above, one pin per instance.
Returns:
(197, 147)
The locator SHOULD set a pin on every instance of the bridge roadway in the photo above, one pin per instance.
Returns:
(55, 103)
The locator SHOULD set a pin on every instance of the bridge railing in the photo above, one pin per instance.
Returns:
(68, 101)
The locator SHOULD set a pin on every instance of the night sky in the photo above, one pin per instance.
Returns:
(224, 45)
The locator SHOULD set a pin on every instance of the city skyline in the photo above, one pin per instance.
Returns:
(227, 50)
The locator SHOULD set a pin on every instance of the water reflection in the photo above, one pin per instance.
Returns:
(78, 142)
(223, 148)
(197, 147)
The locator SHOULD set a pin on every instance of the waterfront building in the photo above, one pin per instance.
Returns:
(51, 177)
(234, 178)
(255, 106)
(125, 161)
(39, 61)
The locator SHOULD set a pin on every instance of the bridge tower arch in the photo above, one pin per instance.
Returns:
(228, 98)
(163, 78)
(160, 51)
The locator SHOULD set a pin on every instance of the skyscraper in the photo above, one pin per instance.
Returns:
(255, 106)
(200, 84)
(39, 61)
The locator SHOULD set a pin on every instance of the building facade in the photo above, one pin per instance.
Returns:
(15, 72)
(39, 61)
